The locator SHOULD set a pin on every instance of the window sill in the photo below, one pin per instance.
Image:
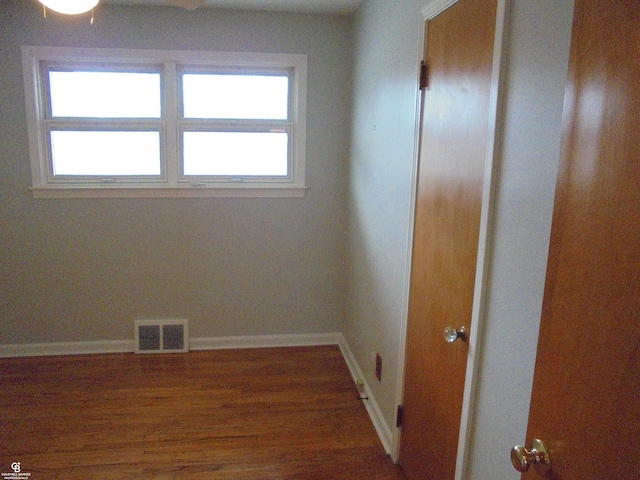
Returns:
(167, 192)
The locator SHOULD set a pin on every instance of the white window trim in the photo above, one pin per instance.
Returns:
(170, 185)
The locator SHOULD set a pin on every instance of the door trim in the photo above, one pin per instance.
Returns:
(431, 10)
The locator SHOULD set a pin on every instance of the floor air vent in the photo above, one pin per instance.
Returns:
(161, 336)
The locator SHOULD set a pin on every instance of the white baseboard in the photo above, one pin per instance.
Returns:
(214, 343)
(65, 348)
(380, 424)
(202, 343)
(264, 341)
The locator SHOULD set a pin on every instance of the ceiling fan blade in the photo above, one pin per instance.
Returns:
(188, 4)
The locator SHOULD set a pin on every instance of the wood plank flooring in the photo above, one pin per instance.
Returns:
(274, 413)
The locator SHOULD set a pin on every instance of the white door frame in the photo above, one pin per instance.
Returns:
(432, 9)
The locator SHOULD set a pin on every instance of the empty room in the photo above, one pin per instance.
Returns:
(318, 239)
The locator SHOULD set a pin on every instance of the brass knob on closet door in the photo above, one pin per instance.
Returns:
(522, 459)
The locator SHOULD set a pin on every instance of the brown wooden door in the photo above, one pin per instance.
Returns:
(585, 404)
(454, 136)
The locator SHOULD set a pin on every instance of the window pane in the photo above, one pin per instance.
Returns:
(235, 96)
(105, 94)
(105, 153)
(235, 153)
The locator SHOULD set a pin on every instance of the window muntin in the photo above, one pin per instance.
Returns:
(265, 146)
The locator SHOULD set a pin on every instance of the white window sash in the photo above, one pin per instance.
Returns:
(171, 182)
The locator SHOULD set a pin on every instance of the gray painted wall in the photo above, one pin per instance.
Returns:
(387, 38)
(537, 59)
(83, 270)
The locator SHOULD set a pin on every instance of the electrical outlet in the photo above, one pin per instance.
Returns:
(378, 367)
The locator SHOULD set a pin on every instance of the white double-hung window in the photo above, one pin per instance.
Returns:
(130, 123)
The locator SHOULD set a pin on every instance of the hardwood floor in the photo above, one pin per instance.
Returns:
(275, 413)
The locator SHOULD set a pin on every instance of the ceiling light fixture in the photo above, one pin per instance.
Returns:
(69, 7)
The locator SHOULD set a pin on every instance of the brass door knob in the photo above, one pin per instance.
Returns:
(522, 459)
(451, 334)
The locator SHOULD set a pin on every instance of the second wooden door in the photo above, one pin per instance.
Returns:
(585, 404)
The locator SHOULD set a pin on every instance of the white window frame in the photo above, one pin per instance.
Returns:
(171, 183)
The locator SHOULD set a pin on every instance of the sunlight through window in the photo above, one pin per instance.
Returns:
(235, 153)
(104, 94)
(105, 153)
(236, 96)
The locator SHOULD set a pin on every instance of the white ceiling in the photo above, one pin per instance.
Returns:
(304, 6)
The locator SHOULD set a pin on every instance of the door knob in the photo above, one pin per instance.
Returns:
(538, 456)
(451, 334)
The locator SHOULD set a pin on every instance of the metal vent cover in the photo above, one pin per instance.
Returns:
(161, 336)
